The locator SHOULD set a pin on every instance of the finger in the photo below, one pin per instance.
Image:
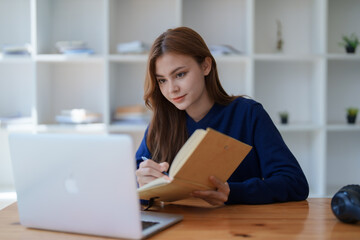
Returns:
(150, 172)
(220, 186)
(212, 201)
(150, 164)
(214, 195)
(164, 166)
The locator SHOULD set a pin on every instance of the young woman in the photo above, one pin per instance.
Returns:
(183, 90)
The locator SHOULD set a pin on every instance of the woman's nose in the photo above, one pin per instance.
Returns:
(174, 87)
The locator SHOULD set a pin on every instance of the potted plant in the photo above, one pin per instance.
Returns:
(284, 117)
(351, 114)
(350, 42)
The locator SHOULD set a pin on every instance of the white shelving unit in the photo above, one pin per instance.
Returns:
(312, 78)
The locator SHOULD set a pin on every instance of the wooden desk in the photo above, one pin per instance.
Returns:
(311, 219)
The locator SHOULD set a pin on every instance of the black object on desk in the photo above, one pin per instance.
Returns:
(346, 204)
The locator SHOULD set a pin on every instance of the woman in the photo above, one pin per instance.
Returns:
(183, 90)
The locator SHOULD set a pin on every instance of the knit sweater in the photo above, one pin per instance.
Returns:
(270, 172)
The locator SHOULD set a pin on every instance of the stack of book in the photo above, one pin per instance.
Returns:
(73, 48)
(78, 116)
(132, 114)
(218, 50)
(17, 118)
(134, 47)
(16, 50)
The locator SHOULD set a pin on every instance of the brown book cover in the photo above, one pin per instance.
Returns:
(206, 153)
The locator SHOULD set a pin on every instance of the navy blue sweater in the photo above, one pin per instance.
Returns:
(269, 173)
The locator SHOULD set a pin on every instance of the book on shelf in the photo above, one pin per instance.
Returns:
(16, 49)
(218, 50)
(73, 48)
(16, 119)
(132, 114)
(134, 47)
(206, 153)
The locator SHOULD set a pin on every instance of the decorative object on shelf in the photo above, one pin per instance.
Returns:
(351, 114)
(223, 49)
(78, 116)
(350, 42)
(280, 42)
(73, 48)
(134, 47)
(284, 117)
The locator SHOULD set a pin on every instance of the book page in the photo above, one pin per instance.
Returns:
(157, 182)
(173, 191)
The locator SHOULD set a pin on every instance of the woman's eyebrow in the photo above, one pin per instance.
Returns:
(172, 72)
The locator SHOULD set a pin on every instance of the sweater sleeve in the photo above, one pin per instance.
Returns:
(143, 150)
(282, 178)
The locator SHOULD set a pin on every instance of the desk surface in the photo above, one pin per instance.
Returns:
(311, 219)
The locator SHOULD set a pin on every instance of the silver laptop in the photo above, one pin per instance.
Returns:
(81, 184)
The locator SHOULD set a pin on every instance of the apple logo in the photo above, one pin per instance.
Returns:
(71, 185)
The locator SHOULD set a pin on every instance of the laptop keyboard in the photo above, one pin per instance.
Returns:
(146, 224)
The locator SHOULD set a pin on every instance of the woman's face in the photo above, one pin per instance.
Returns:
(182, 81)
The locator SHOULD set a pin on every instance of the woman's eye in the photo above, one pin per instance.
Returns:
(180, 75)
(160, 81)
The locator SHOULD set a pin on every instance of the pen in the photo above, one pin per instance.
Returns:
(145, 158)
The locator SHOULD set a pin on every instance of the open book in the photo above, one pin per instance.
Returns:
(206, 153)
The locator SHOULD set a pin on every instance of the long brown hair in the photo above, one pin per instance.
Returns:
(167, 131)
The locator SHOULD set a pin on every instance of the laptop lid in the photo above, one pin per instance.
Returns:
(79, 183)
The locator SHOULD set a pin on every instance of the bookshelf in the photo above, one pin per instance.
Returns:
(312, 78)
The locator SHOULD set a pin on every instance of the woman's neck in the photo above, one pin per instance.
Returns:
(199, 111)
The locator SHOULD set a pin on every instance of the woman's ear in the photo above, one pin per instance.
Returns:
(206, 66)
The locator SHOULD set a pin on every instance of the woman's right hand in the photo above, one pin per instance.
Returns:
(149, 170)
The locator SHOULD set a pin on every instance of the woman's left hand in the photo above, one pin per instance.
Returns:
(215, 197)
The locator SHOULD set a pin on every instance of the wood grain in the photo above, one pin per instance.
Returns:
(310, 219)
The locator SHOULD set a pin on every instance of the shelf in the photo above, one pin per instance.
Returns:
(141, 58)
(127, 127)
(15, 59)
(19, 127)
(295, 87)
(67, 20)
(343, 163)
(15, 22)
(300, 23)
(307, 147)
(229, 28)
(67, 86)
(126, 81)
(131, 20)
(342, 16)
(345, 57)
(343, 127)
(17, 96)
(69, 58)
(72, 128)
(342, 89)
(293, 127)
(232, 58)
(287, 57)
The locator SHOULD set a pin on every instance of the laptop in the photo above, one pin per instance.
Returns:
(81, 184)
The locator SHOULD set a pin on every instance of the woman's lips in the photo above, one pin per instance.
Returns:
(179, 99)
